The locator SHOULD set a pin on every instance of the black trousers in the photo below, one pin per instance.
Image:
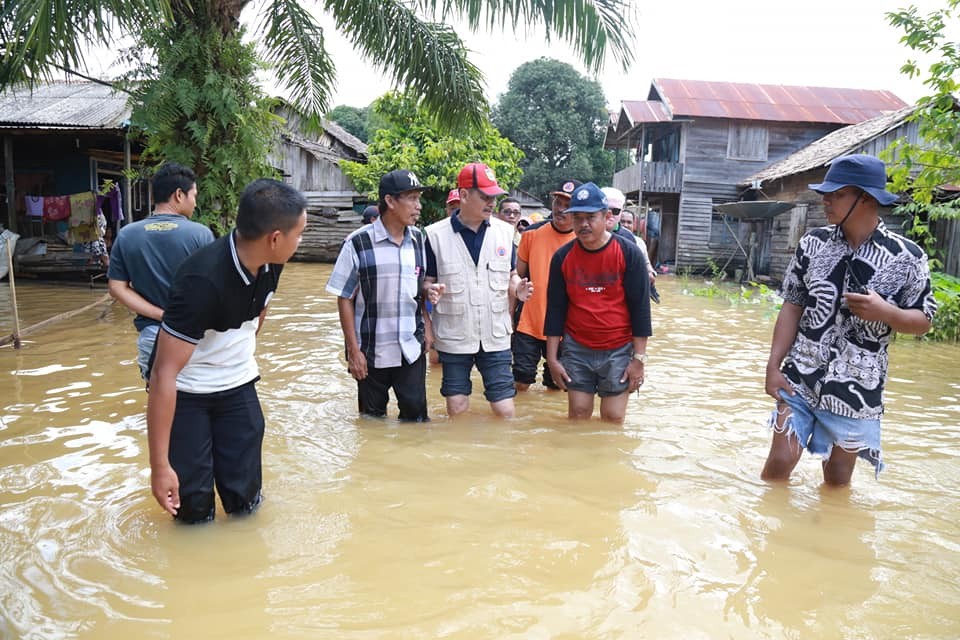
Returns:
(217, 439)
(409, 384)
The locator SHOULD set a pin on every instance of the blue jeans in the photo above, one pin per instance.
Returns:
(494, 367)
(146, 341)
(818, 431)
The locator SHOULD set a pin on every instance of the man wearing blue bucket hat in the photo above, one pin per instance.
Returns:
(849, 287)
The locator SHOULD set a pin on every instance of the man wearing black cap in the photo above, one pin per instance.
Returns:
(377, 279)
(370, 214)
(848, 288)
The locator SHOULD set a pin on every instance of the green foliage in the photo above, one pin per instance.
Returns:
(360, 122)
(746, 294)
(917, 226)
(946, 322)
(410, 42)
(923, 168)
(412, 140)
(198, 105)
(557, 117)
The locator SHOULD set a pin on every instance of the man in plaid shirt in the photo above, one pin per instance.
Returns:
(377, 279)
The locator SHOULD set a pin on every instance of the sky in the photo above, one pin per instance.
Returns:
(826, 43)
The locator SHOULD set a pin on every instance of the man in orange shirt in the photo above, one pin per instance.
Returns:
(537, 246)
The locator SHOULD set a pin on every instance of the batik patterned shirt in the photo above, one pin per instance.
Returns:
(838, 361)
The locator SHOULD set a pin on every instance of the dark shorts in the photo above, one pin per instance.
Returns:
(595, 370)
(217, 439)
(494, 367)
(409, 385)
(527, 354)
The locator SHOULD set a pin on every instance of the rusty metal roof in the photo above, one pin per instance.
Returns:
(771, 102)
(820, 153)
(645, 111)
(64, 105)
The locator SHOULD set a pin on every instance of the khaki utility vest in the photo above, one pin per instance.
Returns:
(474, 310)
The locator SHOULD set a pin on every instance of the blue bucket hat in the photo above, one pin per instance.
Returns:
(587, 198)
(862, 171)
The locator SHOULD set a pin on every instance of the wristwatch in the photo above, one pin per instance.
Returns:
(642, 357)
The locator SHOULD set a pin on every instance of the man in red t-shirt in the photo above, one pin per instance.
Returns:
(598, 302)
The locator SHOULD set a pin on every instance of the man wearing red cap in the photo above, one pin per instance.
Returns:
(473, 257)
(453, 201)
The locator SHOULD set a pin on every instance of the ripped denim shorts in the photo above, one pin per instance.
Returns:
(818, 431)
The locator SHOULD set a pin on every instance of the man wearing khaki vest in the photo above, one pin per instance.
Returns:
(473, 256)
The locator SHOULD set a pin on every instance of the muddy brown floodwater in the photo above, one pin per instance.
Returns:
(532, 528)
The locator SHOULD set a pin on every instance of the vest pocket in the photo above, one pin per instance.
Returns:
(498, 275)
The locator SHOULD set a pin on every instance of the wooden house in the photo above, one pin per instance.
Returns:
(693, 142)
(61, 138)
(787, 180)
(311, 164)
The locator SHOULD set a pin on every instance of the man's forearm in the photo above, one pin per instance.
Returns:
(784, 333)
(128, 297)
(347, 318)
(161, 405)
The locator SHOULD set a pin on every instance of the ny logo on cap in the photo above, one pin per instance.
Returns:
(413, 179)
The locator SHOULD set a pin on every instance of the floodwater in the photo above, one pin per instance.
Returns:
(532, 528)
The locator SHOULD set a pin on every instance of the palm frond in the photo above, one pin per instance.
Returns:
(427, 58)
(293, 43)
(38, 35)
(593, 28)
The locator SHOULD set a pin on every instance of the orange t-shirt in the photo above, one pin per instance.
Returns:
(537, 246)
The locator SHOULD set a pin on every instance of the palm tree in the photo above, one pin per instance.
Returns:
(405, 39)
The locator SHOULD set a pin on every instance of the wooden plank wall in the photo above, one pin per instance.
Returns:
(948, 245)
(323, 236)
(706, 149)
(695, 225)
(710, 178)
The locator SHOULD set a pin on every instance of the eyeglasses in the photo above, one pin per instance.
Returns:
(510, 212)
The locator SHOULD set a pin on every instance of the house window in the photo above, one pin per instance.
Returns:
(747, 142)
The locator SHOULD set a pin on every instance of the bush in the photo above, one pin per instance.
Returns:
(946, 322)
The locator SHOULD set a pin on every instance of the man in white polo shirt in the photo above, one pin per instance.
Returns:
(204, 421)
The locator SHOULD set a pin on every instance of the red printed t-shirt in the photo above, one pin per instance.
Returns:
(537, 246)
(599, 298)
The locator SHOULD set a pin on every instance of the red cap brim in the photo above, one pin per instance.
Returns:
(491, 191)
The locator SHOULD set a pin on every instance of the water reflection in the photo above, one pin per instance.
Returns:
(533, 528)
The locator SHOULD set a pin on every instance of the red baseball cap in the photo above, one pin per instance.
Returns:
(477, 175)
(453, 196)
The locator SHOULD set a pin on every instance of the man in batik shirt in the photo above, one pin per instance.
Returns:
(849, 287)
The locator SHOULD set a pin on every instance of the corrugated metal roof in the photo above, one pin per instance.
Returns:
(770, 102)
(85, 105)
(646, 111)
(820, 153)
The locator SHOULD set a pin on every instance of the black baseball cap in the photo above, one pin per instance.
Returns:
(399, 181)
